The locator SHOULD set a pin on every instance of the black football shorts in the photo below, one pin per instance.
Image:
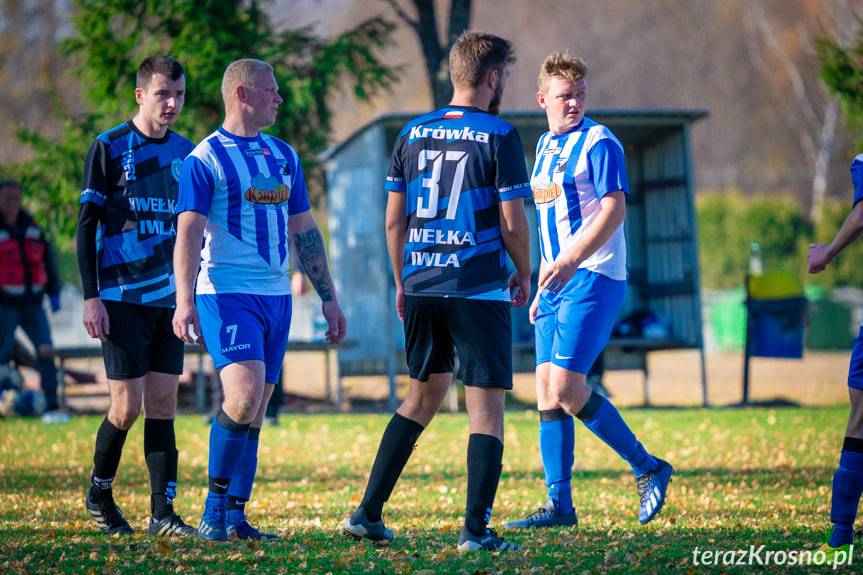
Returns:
(141, 340)
(480, 331)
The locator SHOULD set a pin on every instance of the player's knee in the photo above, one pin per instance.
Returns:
(241, 411)
(124, 416)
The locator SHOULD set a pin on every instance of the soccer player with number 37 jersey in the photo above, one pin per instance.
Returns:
(456, 184)
(579, 187)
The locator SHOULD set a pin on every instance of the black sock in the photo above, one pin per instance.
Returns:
(106, 457)
(484, 456)
(236, 503)
(395, 449)
(160, 452)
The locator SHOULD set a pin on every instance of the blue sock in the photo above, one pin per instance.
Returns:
(557, 448)
(847, 487)
(240, 489)
(602, 418)
(227, 441)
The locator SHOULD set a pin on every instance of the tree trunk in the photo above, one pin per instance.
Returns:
(822, 160)
(435, 54)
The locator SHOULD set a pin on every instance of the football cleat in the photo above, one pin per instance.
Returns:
(171, 526)
(467, 542)
(214, 526)
(107, 515)
(245, 530)
(358, 527)
(830, 553)
(651, 490)
(545, 517)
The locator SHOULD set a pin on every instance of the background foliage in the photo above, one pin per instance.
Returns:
(842, 73)
(110, 39)
(729, 222)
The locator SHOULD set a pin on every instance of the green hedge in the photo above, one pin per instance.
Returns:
(728, 223)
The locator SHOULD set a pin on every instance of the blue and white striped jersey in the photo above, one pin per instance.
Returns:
(456, 166)
(132, 181)
(572, 172)
(247, 188)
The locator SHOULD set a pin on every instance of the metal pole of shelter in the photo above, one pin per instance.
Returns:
(747, 346)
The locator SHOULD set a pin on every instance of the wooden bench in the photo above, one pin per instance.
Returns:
(331, 373)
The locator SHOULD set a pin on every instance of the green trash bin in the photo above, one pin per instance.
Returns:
(728, 319)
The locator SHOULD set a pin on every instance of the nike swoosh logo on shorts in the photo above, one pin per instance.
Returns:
(558, 356)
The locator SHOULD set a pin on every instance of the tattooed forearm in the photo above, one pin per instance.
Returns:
(313, 260)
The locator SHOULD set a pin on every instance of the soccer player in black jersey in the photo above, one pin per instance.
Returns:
(125, 242)
(456, 184)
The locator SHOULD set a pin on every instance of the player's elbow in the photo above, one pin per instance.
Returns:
(856, 217)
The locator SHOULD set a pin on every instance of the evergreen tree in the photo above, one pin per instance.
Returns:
(842, 73)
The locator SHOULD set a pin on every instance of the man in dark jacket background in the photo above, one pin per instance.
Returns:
(27, 273)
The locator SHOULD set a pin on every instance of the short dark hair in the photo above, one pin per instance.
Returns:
(474, 54)
(10, 184)
(158, 64)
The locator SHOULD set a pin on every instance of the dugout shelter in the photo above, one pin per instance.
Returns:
(661, 237)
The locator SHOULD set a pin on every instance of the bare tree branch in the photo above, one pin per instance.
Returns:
(403, 15)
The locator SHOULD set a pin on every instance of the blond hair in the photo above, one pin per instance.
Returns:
(474, 54)
(561, 65)
(241, 73)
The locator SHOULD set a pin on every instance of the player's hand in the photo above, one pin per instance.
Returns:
(534, 307)
(186, 317)
(400, 302)
(96, 319)
(818, 258)
(555, 276)
(336, 322)
(519, 289)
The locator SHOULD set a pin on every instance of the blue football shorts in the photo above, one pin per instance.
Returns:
(246, 327)
(855, 368)
(573, 325)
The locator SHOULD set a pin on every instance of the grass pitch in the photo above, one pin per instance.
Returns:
(744, 477)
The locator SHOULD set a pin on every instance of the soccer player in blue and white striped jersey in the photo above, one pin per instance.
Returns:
(579, 187)
(243, 195)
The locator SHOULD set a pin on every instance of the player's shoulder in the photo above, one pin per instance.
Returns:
(451, 121)
(109, 136)
(597, 132)
(206, 145)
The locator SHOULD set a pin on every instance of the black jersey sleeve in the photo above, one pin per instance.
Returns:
(96, 169)
(511, 167)
(85, 240)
